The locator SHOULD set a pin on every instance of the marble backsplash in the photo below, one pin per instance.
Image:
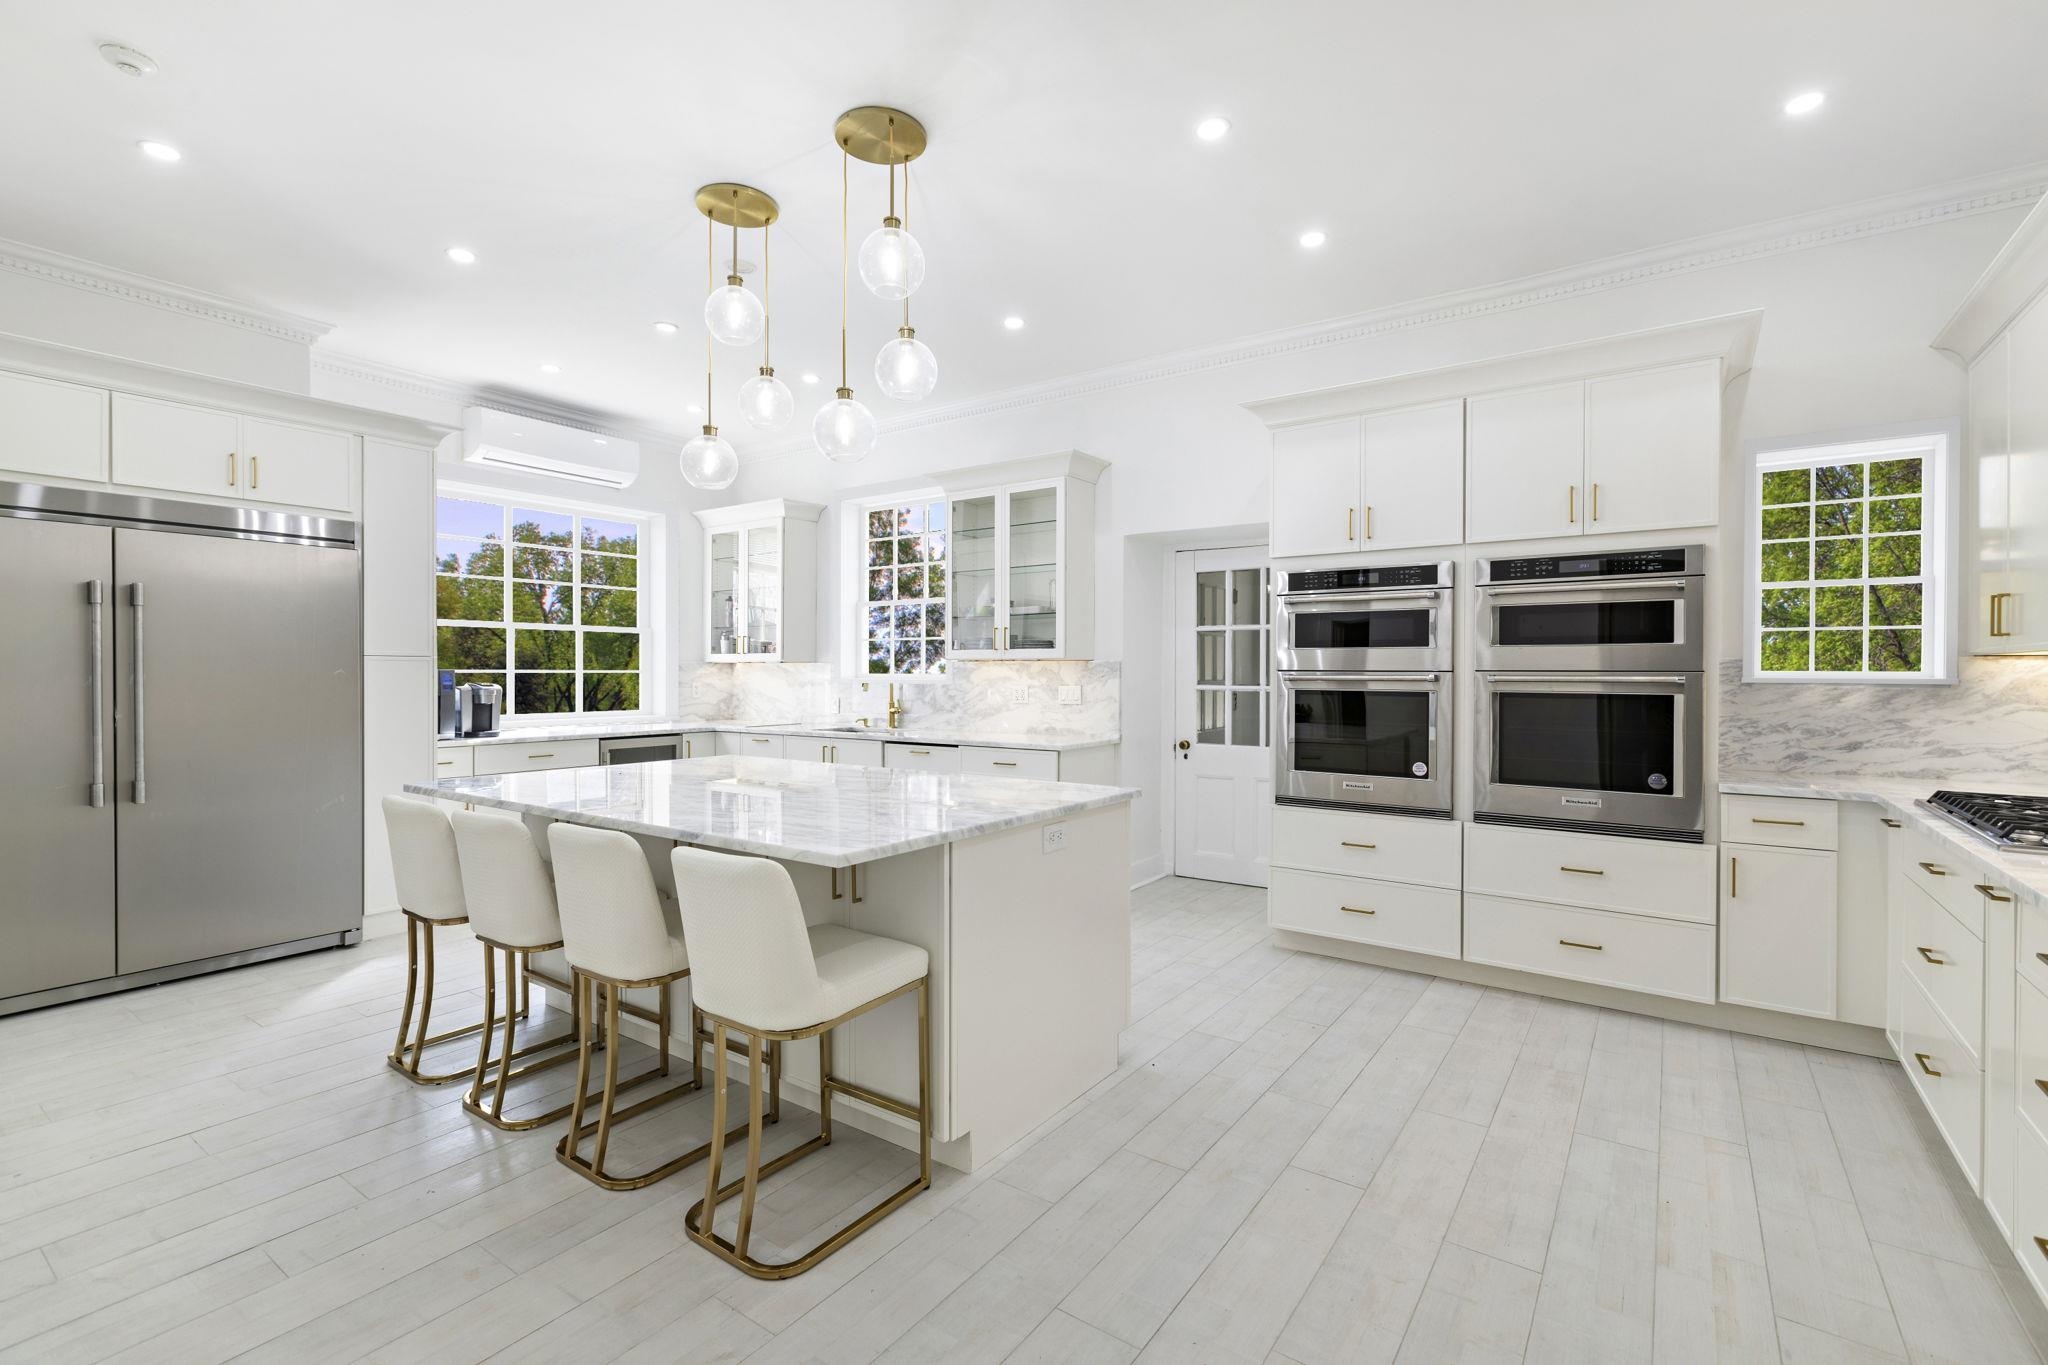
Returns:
(1992, 724)
(998, 696)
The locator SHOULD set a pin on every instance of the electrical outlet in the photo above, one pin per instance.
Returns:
(838, 705)
(696, 691)
(1070, 694)
(1055, 838)
(1021, 694)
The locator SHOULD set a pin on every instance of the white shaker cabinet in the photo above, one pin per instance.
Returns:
(51, 429)
(1020, 578)
(1778, 928)
(760, 581)
(1525, 455)
(188, 449)
(859, 753)
(1387, 481)
(1990, 457)
(1315, 486)
(1653, 449)
(296, 466)
(2023, 614)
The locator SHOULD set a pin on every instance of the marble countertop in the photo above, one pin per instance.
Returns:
(2025, 874)
(832, 815)
(1061, 741)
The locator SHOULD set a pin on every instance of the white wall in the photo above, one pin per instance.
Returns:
(1844, 344)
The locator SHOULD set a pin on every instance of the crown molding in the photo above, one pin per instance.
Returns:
(435, 388)
(55, 267)
(2015, 188)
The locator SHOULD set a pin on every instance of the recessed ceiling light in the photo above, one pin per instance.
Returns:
(598, 441)
(1212, 129)
(809, 377)
(1013, 323)
(1806, 103)
(667, 329)
(695, 409)
(461, 255)
(1313, 239)
(160, 151)
(551, 368)
(127, 60)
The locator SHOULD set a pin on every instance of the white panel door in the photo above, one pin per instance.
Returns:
(1414, 478)
(52, 429)
(177, 446)
(1223, 767)
(1990, 464)
(297, 466)
(2025, 614)
(1778, 929)
(1653, 449)
(1525, 457)
(1315, 487)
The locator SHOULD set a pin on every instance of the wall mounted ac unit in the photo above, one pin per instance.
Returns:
(501, 440)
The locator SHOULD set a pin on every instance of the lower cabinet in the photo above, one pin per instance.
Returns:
(865, 753)
(747, 745)
(2030, 1206)
(1040, 764)
(455, 760)
(1605, 947)
(1421, 919)
(533, 756)
(922, 758)
(1389, 880)
(1778, 928)
(1945, 1074)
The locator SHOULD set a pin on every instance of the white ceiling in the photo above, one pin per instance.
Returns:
(333, 151)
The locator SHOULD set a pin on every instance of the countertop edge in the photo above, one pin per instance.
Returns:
(561, 735)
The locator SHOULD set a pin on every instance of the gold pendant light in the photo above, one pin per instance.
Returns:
(730, 314)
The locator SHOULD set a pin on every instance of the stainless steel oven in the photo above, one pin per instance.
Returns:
(1364, 620)
(1364, 739)
(1633, 610)
(1617, 753)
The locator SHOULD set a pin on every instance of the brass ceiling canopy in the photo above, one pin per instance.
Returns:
(879, 135)
(740, 206)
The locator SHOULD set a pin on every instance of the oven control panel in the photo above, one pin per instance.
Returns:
(1349, 580)
(1620, 564)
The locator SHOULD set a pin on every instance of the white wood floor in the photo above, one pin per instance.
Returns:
(1299, 1159)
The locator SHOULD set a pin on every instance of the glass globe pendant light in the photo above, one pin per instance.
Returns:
(843, 428)
(733, 313)
(765, 401)
(708, 460)
(891, 262)
(905, 368)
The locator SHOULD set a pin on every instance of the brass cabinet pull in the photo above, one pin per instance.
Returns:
(1734, 864)
(1596, 502)
(1928, 953)
(2044, 1090)
(1583, 871)
(1889, 823)
(1998, 601)
(1760, 820)
(689, 750)
(1355, 910)
(757, 739)
(231, 469)
(255, 472)
(1934, 871)
(549, 754)
(1589, 947)
(1368, 521)
(922, 753)
(1991, 894)
(1923, 1059)
(445, 763)
(1346, 843)
(2042, 956)
(837, 894)
(1350, 523)
(1001, 763)
(1571, 505)
(2042, 1243)
(853, 882)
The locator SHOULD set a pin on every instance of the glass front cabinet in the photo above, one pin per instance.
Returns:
(1020, 584)
(760, 562)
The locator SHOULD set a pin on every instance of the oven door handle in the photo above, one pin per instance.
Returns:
(1300, 599)
(1673, 679)
(1593, 585)
(1361, 677)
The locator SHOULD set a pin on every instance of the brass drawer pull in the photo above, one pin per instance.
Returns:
(921, 753)
(1734, 873)
(1760, 820)
(1998, 601)
(1991, 894)
(1928, 953)
(1584, 871)
(1355, 910)
(2042, 1243)
(1934, 871)
(1923, 1059)
(1346, 843)
(2043, 1085)
(1889, 823)
(2042, 956)
(445, 763)
(549, 754)
(1001, 763)
(757, 739)
(1589, 947)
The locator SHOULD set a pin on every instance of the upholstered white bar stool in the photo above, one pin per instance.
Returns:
(617, 937)
(511, 897)
(429, 877)
(760, 970)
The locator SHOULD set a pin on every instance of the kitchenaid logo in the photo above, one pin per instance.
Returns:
(1592, 801)
(1358, 786)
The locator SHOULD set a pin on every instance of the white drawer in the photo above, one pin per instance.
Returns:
(1641, 876)
(1948, 882)
(2033, 949)
(1040, 764)
(515, 757)
(1358, 844)
(1948, 962)
(455, 760)
(922, 758)
(1786, 822)
(2030, 1225)
(1949, 1082)
(1422, 919)
(2032, 1049)
(747, 745)
(1660, 956)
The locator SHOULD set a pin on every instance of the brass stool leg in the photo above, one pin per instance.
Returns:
(483, 1045)
(412, 986)
(824, 1094)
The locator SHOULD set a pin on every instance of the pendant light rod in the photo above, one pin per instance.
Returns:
(906, 228)
(845, 162)
(767, 302)
(709, 277)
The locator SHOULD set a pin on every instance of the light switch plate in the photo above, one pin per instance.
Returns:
(1070, 694)
(1055, 838)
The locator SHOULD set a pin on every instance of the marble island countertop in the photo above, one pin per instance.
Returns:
(2025, 874)
(845, 727)
(832, 815)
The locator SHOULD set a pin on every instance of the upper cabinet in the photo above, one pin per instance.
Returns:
(760, 580)
(1383, 482)
(2000, 332)
(188, 449)
(1020, 573)
(52, 429)
(1526, 454)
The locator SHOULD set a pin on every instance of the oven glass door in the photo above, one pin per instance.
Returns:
(1615, 750)
(1361, 631)
(1379, 740)
(1584, 622)
(1608, 626)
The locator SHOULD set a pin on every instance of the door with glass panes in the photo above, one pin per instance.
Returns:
(1223, 767)
(1007, 565)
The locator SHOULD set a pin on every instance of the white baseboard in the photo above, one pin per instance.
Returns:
(1147, 870)
(383, 923)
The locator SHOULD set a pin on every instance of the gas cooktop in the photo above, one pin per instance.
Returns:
(2016, 823)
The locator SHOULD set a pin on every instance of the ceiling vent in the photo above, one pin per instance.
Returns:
(502, 440)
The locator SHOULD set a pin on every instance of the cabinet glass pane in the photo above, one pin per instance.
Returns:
(1033, 552)
(725, 564)
(764, 589)
(972, 587)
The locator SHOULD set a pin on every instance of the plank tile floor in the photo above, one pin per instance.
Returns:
(1298, 1160)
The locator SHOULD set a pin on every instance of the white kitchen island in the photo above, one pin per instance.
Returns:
(1018, 889)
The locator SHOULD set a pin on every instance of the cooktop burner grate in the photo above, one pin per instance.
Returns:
(2015, 822)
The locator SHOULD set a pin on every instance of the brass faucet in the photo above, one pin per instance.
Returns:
(895, 709)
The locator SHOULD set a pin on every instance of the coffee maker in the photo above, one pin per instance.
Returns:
(478, 705)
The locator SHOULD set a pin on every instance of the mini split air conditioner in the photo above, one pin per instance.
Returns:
(502, 440)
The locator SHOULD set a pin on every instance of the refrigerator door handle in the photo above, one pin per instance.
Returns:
(95, 591)
(135, 596)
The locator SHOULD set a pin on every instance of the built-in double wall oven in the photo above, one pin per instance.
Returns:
(1364, 674)
(1590, 692)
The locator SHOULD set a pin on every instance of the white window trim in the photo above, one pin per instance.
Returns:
(1940, 517)
(853, 601)
(653, 595)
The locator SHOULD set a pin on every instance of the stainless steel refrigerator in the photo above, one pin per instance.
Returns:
(180, 739)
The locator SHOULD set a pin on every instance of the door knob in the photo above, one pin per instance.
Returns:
(1185, 745)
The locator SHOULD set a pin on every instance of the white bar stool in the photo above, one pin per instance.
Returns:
(618, 937)
(761, 971)
(429, 877)
(511, 899)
